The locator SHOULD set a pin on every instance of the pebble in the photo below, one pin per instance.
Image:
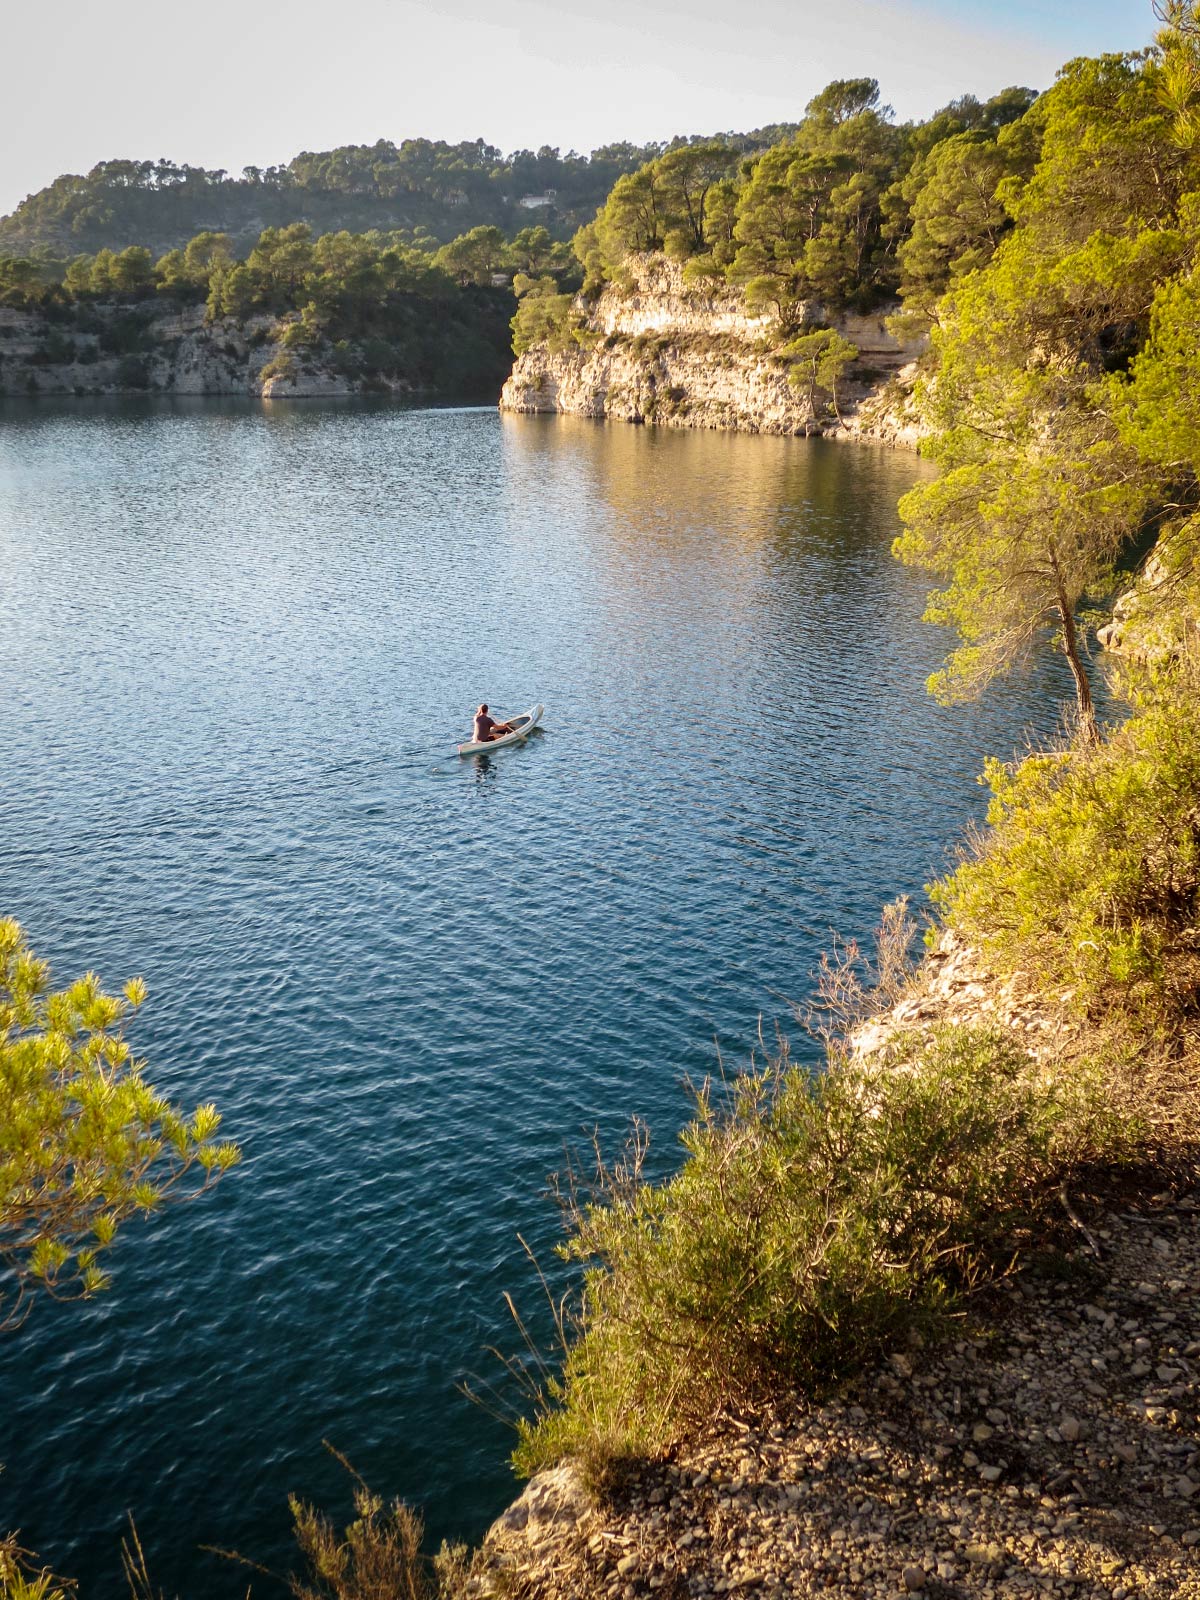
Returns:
(876, 1493)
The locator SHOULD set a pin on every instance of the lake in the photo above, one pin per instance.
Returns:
(240, 643)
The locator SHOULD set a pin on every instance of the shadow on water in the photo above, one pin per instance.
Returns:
(485, 765)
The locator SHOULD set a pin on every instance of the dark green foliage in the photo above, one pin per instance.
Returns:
(810, 213)
(55, 347)
(421, 186)
(1059, 442)
(821, 213)
(133, 373)
(956, 217)
(25, 284)
(373, 304)
(125, 334)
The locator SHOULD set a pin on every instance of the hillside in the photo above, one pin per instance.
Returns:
(424, 187)
(297, 316)
(925, 1321)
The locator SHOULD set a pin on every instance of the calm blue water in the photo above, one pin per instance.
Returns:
(238, 646)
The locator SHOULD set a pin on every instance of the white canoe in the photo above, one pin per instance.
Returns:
(521, 726)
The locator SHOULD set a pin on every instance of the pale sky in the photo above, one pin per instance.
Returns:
(233, 83)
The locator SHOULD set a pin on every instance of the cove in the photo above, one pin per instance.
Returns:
(241, 643)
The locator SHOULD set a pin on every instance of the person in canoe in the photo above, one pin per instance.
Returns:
(485, 729)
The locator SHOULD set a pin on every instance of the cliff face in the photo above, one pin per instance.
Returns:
(151, 346)
(172, 350)
(661, 350)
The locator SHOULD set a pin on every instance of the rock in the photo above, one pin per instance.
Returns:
(185, 355)
(556, 1496)
(878, 1489)
(686, 355)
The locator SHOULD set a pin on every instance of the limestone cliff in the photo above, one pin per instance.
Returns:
(171, 350)
(658, 349)
(157, 348)
(1159, 617)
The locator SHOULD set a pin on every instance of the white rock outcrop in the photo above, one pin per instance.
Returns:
(1156, 619)
(658, 349)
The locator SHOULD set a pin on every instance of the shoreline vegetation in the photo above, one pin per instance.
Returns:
(956, 1138)
(395, 268)
(298, 316)
(886, 1318)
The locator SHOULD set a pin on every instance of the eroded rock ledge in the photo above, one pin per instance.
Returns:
(660, 350)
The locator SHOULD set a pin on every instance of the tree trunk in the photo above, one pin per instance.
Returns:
(1070, 637)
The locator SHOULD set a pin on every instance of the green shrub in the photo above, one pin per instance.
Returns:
(1089, 876)
(281, 366)
(543, 318)
(55, 347)
(815, 1219)
(378, 355)
(125, 335)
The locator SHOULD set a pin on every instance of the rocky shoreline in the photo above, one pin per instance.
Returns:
(1052, 1448)
(660, 350)
(179, 352)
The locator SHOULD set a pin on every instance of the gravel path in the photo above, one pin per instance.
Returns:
(1054, 1449)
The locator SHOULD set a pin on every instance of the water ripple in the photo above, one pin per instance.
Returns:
(240, 644)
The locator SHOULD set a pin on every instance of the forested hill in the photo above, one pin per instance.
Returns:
(426, 187)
